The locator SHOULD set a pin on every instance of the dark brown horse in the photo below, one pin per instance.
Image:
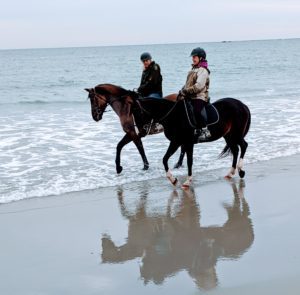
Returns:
(233, 124)
(133, 122)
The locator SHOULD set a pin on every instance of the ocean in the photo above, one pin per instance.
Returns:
(49, 143)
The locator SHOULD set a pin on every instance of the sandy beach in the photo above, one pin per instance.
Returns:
(236, 237)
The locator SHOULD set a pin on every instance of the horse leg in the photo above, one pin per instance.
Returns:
(171, 150)
(180, 160)
(128, 127)
(235, 152)
(139, 145)
(189, 153)
(125, 140)
(243, 145)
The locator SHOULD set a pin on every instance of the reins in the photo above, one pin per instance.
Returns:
(187, 114)
(163, 117)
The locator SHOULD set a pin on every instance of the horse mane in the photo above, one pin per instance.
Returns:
(104, 89)
(111, 89)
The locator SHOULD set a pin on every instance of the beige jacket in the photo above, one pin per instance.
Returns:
(197, 83)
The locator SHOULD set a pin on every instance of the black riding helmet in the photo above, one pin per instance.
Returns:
(145, 56)
(200, 52)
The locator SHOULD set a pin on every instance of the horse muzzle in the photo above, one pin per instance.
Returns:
(97, 114)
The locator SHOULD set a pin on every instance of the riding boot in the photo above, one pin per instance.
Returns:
(201, 132)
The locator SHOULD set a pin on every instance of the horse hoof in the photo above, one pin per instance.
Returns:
(228, 177)
(146, 167)
(242, 173)
(119, 169)
(174, 182)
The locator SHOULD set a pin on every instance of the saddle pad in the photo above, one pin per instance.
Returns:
(212, 114)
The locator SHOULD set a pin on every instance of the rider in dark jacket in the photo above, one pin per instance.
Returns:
(151, 81)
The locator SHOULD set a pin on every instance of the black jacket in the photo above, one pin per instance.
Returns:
(151, 81)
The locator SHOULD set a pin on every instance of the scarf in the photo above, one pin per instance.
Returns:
(203, 64)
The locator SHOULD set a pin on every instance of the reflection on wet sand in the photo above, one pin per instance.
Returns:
(175, 241)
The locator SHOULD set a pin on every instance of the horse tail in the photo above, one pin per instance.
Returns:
(226, 151)
(248, 123)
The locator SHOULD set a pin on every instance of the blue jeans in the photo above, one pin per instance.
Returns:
(154, 95)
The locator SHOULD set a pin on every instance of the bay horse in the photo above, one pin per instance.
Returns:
(134, 123)
(233, 124)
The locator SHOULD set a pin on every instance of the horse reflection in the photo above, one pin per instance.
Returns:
(176, 241)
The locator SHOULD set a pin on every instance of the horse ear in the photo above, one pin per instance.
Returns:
(89, 90)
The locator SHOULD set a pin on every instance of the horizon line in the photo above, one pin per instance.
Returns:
(148, 44)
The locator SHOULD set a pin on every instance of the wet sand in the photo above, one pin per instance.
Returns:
(237, 237)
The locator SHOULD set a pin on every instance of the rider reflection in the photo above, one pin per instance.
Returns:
(175, 241)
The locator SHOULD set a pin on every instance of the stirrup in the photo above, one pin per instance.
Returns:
(206, 132)
(203, 134)
(158, 128)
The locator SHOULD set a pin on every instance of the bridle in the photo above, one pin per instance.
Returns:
(112, 99)
(100, 110)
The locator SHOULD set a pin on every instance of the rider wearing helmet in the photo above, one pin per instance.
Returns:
(196, 88)
(151, 81)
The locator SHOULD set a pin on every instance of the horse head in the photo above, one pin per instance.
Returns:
(99, 103)
(108, 94)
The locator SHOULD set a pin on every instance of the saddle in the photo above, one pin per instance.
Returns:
(209, 114)
(144, 128)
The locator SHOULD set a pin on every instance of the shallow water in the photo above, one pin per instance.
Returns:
(237, 237)
(49, 143)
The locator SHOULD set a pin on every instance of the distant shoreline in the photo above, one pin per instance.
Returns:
(149, 44)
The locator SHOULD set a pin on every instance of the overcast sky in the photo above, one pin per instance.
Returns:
(65, 23)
